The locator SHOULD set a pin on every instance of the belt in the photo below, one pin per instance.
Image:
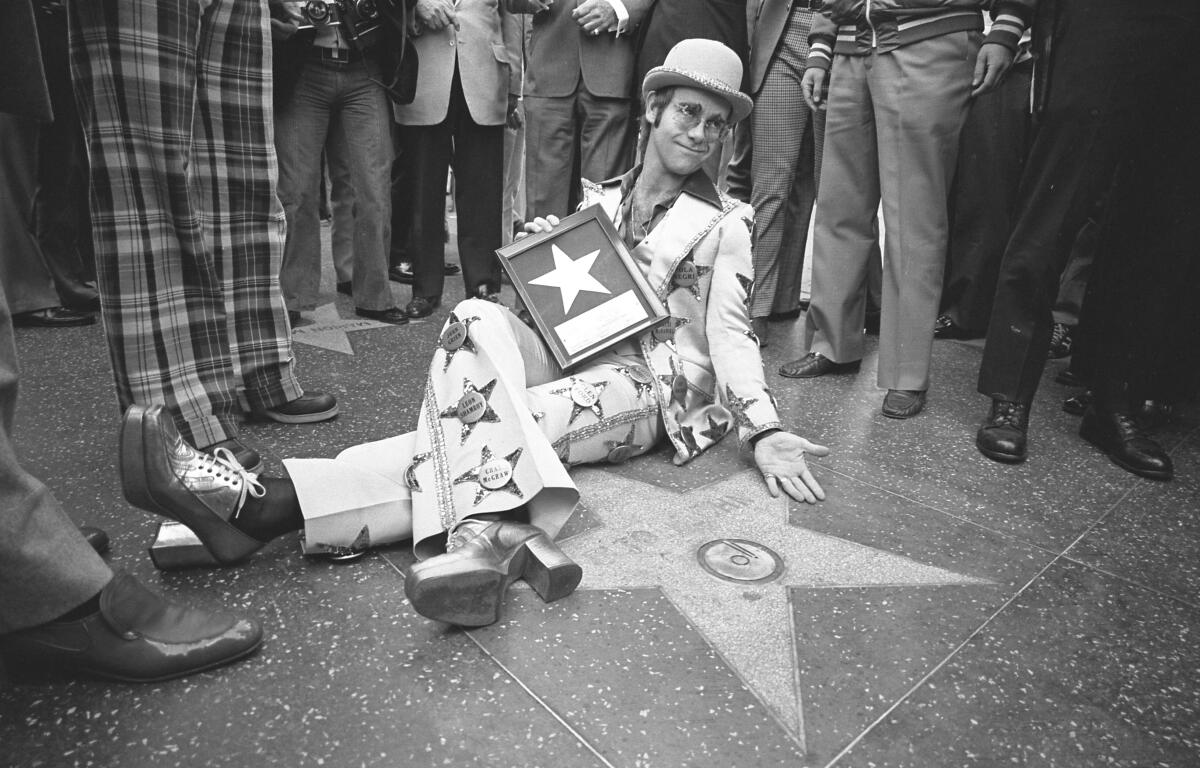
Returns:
(811, 5)
(334, 55)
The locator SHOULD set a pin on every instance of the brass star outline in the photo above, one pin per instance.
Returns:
(596, 408)
(489, 415)
(467, 343)
(472, 476)
(688, 436)
(737, 406)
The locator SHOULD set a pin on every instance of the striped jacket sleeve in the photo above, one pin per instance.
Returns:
(820, 42)
(1010, 19)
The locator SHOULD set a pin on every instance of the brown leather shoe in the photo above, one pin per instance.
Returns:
(815, 364)
(163, 474)
(309, 408)
(1002, 436)
(1119, 436)
(136, 637)
(466, 585)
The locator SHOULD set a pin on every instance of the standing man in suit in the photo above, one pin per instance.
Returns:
(466, 91)
(578, 96)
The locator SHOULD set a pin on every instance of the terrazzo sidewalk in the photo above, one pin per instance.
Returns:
(938, 609)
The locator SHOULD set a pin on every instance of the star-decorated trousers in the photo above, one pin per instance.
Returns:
(498, 427)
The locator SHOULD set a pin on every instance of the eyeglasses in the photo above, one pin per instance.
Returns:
(688, 116)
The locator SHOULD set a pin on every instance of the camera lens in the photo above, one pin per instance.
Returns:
(317, 11)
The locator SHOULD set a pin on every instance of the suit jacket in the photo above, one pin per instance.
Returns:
(486, 51)
(23, 89)
(769, 22)
(712, 346)
(670, 21)
(560, 53)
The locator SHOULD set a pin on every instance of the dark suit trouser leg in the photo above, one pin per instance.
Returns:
(479, 162)
(46, 567)
(427, 148)
(550, 142)
(1091, 119)
(23, 275)
(993, 144)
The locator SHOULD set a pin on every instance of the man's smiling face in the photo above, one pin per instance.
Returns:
(686, 129)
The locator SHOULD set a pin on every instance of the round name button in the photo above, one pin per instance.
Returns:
(640, 374)
(685, 274)
(584, 394)
(471, 407)
(454, 336)
(679, 388)
(495, 474)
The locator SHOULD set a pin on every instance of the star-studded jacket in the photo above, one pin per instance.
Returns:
(704, 357)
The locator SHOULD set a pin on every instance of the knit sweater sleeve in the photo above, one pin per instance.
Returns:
(1010, 19)
(820, 42)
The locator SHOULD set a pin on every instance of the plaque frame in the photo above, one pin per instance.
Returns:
(651, 309)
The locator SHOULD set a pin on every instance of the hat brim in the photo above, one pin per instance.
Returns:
(740, 104)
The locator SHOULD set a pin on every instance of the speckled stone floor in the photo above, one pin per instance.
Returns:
(937, 610)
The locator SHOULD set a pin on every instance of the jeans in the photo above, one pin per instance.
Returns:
(331, 96)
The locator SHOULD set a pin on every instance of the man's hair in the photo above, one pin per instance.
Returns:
(656, 101)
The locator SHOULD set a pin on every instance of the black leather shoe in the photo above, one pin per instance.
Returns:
(1118, 436)
(346, 288)
(903, 403)
(245, 455)
(1152, 414)
(96, 538)
(1077, 405)
(1060, 341)
(391, 315)
(945, 328)
(466, 586)
(422, 307)
(1069, 378)
(135, 637)
(161, 473)
(1002, 436)
(815, 364)
(309, 408)
(760, 328)
(294, 317)
(451, 268)
(53, 317)
(401, 273)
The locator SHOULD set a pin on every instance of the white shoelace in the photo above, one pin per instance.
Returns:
(223, 461)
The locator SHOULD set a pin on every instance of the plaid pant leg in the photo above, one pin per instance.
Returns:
(134, 63)
(243, 222)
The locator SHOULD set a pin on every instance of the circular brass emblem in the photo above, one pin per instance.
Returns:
(679, 388)
(640, 374)
(620, 454)
(740, 560)
(584, 394)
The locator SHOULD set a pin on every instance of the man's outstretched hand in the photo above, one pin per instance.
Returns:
(780, 458)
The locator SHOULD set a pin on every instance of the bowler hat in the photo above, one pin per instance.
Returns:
(706, 65)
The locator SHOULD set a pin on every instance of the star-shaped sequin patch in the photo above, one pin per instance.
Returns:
(410, 474)
(716, 429)
(677, 385)
(622, 450)
(472, 408)
(456, 336)
(643, 380)
(688, 437)
(747, 286)
(584, 396)
(737, 406)
(688, 276)
(493, 475)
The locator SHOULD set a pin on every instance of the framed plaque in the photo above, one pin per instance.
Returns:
(581, 286)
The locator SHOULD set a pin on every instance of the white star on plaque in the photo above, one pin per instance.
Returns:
(571, 276)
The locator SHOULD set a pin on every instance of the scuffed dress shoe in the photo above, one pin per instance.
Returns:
(1060, 341)
(1002, 436)
(309, 408)
(401, 273)
(53, 317)
(945, 328)
(161, 473)
(136, 637)
(1122, 440)
(903, 403)
(466, 586)
(391, 315)
(815, 364)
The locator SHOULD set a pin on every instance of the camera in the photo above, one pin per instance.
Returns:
(322, 13)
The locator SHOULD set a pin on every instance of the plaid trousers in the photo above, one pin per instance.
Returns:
(175, 97)
(783, 173)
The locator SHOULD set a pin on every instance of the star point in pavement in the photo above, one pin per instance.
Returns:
(655, 543)
(571, 276)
